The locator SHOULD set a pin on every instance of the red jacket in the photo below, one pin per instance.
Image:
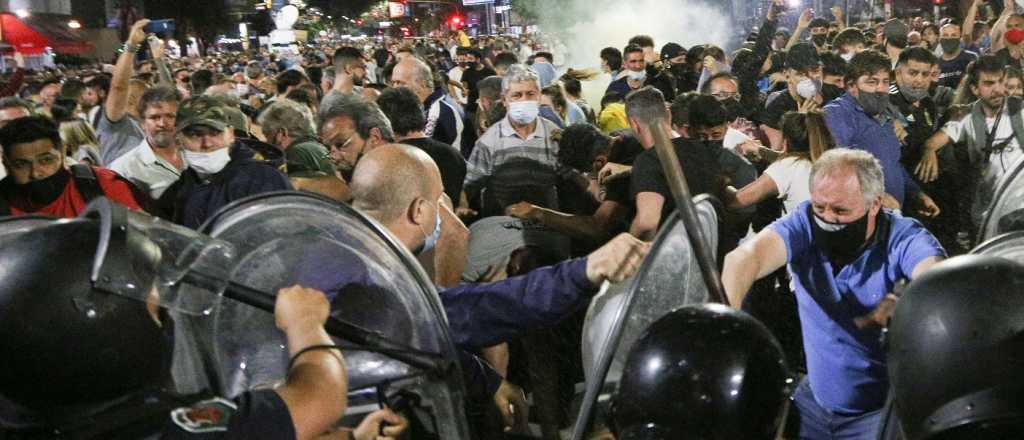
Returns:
(71, 203)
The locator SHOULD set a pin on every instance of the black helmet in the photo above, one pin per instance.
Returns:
(702, 372)
(67, 347)
(956, 351)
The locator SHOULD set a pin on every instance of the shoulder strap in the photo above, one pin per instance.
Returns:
(86, 183)
(980, 132)
(1013, 105)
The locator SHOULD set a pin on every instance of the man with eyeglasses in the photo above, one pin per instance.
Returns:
(350, 127)
(220, 170)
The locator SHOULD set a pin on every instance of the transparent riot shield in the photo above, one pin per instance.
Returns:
(1006, 211)
(11, 226)
(151, 260)
(668, 279)
(1009, 246)
(403, 350)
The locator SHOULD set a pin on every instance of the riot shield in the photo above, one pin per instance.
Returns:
(11, 226)
(668, 279)
(373, 283)
(1006, 211)
(1009, 246)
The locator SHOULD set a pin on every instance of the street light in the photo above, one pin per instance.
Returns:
(22, 13)
(74, 24)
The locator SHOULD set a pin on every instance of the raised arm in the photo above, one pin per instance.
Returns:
(117, 99)
(968, 29)
(317, 387)
(801, 26)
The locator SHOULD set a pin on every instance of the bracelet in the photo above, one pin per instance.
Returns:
(128, 47)
(308, 349)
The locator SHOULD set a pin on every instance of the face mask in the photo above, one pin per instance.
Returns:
(847, 56)
(1014, 36)
(208, 163)
(830, 92)
(636, 76)
(949, 45)
(873, 103)
(42, 192)
(913, 94)
(471, 65)
(523, 112)
(808, 88)
(679, 70)
(839, 240)
(242, 89)
(431, 240)
(819, 39)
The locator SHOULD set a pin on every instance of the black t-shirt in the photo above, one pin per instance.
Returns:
(449, 161)
(953, 70)
(471, 77)
(776, 106)
(254, 414)
(700, 168)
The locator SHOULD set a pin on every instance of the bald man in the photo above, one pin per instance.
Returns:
(444, 122)
(400, 186)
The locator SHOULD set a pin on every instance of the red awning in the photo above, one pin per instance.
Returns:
(32, 35)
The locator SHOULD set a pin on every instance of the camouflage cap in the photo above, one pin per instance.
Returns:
(201, 110)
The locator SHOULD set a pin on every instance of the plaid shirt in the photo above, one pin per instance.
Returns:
(501, 143)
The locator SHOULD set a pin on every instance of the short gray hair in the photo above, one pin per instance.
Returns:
(364, 114)
(289, 115)
(422, 71)
(518, 73)
(868, 169)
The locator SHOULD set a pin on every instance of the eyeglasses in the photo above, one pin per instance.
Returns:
(721, 96)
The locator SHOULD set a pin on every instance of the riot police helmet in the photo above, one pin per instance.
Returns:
(956, 351)
(702, 372)
(67, 346)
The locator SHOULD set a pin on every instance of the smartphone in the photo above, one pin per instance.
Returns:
(165, 26)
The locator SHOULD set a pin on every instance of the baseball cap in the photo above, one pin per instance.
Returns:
(202, 110)
(672, 50)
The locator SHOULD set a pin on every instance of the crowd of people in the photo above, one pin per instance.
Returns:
(848, 160)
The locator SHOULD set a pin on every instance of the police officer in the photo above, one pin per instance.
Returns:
(86, 363)
(702, 372)
(955, 352)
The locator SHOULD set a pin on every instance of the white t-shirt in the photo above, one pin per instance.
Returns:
(792, 176)
(999, 162)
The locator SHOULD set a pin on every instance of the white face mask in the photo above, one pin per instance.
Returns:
(211, 162)
(847, 56)
(808, 88)
(636, 76)
(242, 89)
(523, 112)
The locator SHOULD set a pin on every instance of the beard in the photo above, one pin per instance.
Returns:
(162, 139)
(994, 102)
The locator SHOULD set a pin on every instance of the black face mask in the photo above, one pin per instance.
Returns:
(819, 39)
(830, 92)
(471, 65)
(679, 70)
(44, 191)
(840, 241)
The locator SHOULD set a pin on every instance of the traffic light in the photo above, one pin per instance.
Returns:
(456, 21)
(937, 2)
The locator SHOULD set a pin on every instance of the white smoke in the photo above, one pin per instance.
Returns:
(611, 23)
(585, 27)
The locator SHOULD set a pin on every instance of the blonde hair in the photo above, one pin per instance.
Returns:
(77, 132)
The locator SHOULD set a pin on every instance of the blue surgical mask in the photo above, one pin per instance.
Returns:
(431, 240)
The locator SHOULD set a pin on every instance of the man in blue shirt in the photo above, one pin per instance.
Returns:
(860, 119)
(846, 254)
(400, 186)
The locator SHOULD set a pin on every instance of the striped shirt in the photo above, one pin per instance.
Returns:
(501, 143)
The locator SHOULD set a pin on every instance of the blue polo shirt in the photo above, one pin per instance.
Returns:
(852, 128)
(846, 365)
